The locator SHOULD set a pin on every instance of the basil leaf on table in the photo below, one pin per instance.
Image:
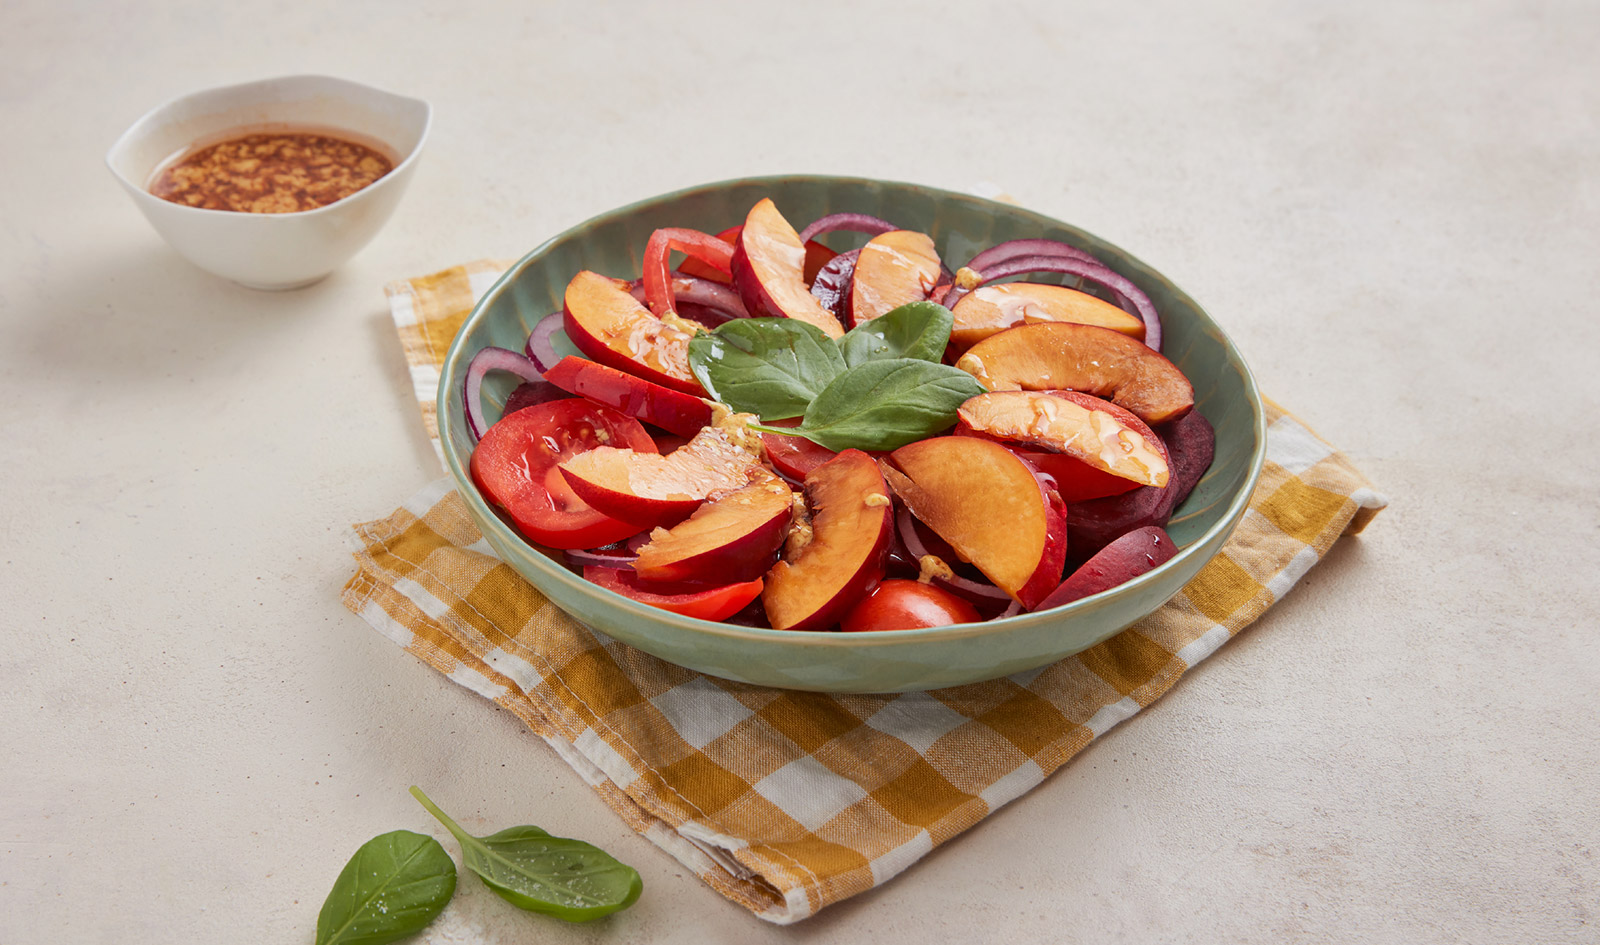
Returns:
(530, 869)
(918, 330)
(883, 405)
(771, 367)
(393, 887)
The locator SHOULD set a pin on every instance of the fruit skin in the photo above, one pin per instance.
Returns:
(907, 605)
(1190, 447)
(1135, 553)
(1085, 358)
(516, 469)
(846, 555)
(671, 410)
(817, 256)
(937, 479)
(893, 268)
(1054, 560)
(606, 323)
(647, 489)
(732, 537)
(990, 309)
(769, 271)
(690, 600)
(1076, 479)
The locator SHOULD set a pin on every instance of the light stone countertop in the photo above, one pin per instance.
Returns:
(1392, 208)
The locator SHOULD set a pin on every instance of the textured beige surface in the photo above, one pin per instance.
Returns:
(1392, 207)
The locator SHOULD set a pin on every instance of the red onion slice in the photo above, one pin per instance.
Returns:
(539, 349)
(492, 359)
(707, 317)
(1011, 249)
(899, 557)
(1091, 271)
(975, 591)
(1012, 609)
(714, 295)
(854, 222)
(599, 559)
(697, 291)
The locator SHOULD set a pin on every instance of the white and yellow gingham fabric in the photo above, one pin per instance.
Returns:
(785, 801)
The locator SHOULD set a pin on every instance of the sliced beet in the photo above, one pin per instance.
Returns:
(832, 284)
(1192, 445)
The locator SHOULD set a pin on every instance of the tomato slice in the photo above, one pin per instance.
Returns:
(817, 256)
(690, 600)
(794, 456)
(515, 466)
(714, 252)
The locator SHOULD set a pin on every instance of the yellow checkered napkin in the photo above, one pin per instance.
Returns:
(786, 801)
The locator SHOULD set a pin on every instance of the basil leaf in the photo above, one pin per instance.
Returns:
(918, 330)
(532, 870)
(393, 887)
(883, 405)
(771, 367)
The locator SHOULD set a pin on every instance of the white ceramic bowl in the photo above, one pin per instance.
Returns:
(273, 250)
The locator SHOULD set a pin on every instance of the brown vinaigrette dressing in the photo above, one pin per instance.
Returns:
(275, 168)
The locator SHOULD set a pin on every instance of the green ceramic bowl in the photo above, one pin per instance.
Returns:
(885, 661)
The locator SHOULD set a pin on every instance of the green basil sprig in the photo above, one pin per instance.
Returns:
(883, 405)
(771, 367)
(393, 887)
(530, 869)
(915, 330)
(881, 386)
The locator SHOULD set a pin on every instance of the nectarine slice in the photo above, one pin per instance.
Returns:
(690, 600)
(1086, 358)
(990, 309)
(1067, 425)
(647, 489)
(851, 524)
(612, 327)
(732, 537)
(988, 504)
(894, 268)
(1137, 552)
(664, 407)
(769, 271)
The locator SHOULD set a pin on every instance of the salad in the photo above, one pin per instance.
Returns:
(776, 434)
